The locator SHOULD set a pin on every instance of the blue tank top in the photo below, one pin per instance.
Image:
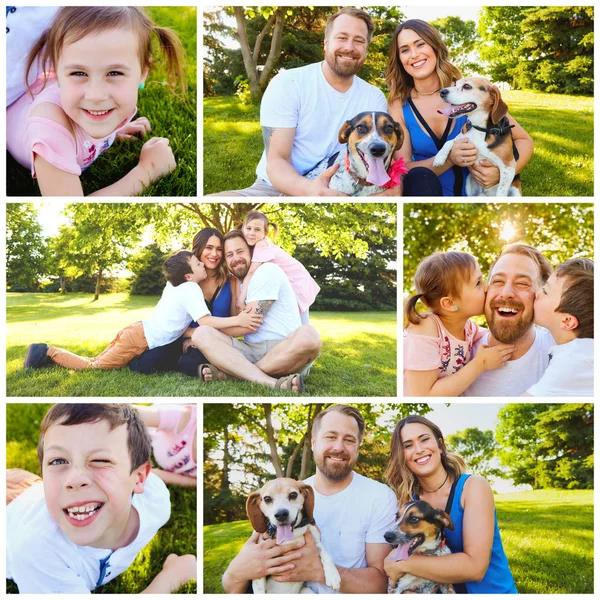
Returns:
(497, 579)
(221, 305)
(424, 146)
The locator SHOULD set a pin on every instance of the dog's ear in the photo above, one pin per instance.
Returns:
(444, 520)
(345, 131)
(400, 135)
(256, 516)
(309, 501)
(499, 108)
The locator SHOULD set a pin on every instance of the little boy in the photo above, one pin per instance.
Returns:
(182, 301)
(565, 306)
(97, 507)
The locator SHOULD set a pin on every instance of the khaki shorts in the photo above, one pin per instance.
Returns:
(258, 188)
(254, 351)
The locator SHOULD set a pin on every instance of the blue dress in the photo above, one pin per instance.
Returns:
(425, 146)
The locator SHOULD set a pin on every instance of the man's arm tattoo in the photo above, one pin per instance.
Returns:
(264, 306)
(267, 135)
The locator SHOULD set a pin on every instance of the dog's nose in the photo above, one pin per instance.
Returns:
(444, 92)
(377, 149)
(282, 515)
(389, 536)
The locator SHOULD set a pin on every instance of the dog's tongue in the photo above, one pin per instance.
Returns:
(377, 174)
(446, 111)
(400, 553)
(284, 534)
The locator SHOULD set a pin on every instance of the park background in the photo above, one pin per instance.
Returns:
(170, 114)
(177, 536)
(543, 452)
(541, 56)
(78, 273)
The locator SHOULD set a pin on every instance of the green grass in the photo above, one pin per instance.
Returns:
(178, 536)
(548, 536)
(169, 114)
(562, 129)
(358, 357)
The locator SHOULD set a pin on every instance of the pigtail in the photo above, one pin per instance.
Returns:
(410, 309)
(38, 49)
(174, 52)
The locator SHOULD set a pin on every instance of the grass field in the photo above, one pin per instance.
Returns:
(178, 536)
(562, 129)
(358, 357)
(547, 535)
(169, 115)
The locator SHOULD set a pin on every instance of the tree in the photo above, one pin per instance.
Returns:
(146, 266)
(25, 247)
(478, 448)
(461, 38)
(61, 261)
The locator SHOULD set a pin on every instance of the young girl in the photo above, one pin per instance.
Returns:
(438, 346)
(255, 229)
(93, 60)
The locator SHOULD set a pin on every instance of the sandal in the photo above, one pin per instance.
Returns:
(290, 379)
(214, 371)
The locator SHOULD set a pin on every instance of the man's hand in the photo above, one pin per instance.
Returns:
(485, 174)
(308, 567)
(320, 185)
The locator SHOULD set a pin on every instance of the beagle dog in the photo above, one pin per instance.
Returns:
(487, 128)
(418, 530)
(365, 168)
(283, 510)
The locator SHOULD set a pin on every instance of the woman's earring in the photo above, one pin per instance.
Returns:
(141, 86)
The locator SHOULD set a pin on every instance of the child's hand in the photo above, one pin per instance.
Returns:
(157, 158)
(493, 357)
(139, 127)
(187, 344)
(250, 320)
(179, 569)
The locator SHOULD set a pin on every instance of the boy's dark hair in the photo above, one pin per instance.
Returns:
(138, 440)
(577, 296)
(176, 267)
(349, 411)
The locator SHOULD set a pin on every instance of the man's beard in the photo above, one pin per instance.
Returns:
(240, 270)
(341, 68)
(508, 330)
(332, 470)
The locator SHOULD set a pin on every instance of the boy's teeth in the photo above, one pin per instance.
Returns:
(83, 512)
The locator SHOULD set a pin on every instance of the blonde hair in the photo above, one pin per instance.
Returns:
(72, 23)
(400, 478)
(398, 80)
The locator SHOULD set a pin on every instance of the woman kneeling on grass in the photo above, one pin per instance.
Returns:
(94, 61)
(421, 468)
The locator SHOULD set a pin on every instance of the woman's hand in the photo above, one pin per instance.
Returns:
(139, 127)
(156, 158)
(463, 153)
(485, 174)
(393, 569)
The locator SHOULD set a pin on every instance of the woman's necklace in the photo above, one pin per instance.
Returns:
(427, 93)
(438, 488)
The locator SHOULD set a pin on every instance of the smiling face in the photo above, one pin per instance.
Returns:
(510, 296)
(254, 231)
(416, 56)
(335, 445)
(422, 454)
(237, 256)
(212, 254)
(346, 46)
(88, 483)
(99, 77)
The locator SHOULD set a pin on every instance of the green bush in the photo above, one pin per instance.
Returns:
(146, 265)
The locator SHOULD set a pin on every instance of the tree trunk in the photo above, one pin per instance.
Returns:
(307, 451)
(98, 280)
(271, 441)
(62, 281)
(290, 466)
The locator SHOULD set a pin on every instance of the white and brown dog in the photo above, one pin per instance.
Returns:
(487, 128)
(283, 510)
(365, 168)
(418, 530)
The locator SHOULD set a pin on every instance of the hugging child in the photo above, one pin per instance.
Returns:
(182, 300)
(565, 306)
(255, 229)
(438, 346)
(93, 60)
(97, 506)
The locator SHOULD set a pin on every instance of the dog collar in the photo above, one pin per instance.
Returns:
(494, 130)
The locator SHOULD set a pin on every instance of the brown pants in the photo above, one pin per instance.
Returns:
(128, 343)
(17, 481)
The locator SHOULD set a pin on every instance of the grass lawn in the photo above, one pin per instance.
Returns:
(169, 115)
(547, 535)
(358, 356)
(178, 536)
(562, 128)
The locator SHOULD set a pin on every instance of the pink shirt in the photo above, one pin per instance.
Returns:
(304, 286)
(53, 142)
(445, 352)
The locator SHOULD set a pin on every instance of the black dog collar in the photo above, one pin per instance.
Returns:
(495, 130)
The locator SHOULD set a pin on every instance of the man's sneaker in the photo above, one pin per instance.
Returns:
(37, 356)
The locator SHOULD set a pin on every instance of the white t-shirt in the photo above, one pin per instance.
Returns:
(269, 282)
(570, 372)
(41, 559)
(518, 375)
(172, 315)
(303, 99)
(358, 515)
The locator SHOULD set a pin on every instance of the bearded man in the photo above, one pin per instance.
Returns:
(512, 283)
(303, 109)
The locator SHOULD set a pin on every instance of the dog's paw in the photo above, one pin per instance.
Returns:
(258, 586)
(333, 579)
(438, 160)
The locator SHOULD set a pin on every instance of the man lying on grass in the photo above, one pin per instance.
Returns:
(181, 302)
(97, 507)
